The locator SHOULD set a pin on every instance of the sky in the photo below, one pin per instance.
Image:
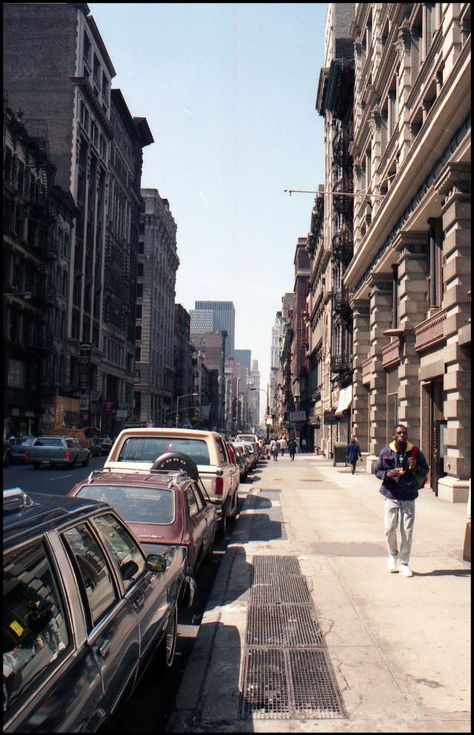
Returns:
(229, 92)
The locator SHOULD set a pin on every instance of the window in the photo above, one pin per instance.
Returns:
(34, 628)
(122, 547)
(436, 262)
(98, 590)
(221, 451)
(191, 501)
(199, 497)
(16, 374)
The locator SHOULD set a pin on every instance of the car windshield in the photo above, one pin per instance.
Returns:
(135, 504)
(149, 448)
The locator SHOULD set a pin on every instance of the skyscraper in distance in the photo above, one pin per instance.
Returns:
(224, 318)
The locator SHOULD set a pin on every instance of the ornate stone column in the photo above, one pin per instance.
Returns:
(454, 185)
(412, 307)
(380, 316)
(403, 48)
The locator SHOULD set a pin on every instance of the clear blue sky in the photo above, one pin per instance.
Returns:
(228, 90)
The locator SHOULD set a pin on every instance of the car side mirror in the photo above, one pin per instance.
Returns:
(156, 563)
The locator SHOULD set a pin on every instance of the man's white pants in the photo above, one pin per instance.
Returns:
(403, 510)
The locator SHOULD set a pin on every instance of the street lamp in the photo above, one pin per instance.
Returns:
(268, 408)
(186, 395)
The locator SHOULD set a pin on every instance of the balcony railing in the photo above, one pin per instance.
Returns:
(430, 332)
(340, 363)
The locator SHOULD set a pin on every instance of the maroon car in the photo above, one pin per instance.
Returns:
(161, 508)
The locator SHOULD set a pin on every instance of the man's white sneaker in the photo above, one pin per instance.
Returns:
(405, 571)
(392, 563)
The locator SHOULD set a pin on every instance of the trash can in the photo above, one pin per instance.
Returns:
(340, 453)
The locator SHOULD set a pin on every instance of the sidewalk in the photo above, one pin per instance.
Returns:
(400, 648)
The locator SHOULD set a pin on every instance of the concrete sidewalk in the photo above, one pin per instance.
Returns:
(400, 648)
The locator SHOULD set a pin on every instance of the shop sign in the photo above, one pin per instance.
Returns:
(297, 415)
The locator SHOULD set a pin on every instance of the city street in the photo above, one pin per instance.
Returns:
(398, 649)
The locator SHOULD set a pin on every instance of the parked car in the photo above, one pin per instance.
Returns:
(250, 451)
(19, 449)
(138, 448)
(159, 507)
(240, 456)
(105, 444)
(253, 439)
(234, 464)
(85, 610)
(56, 451)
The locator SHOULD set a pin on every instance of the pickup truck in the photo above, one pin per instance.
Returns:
(50, 451)
(138, 448)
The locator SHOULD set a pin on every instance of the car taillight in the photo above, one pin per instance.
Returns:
(219, 485)
(67, 456)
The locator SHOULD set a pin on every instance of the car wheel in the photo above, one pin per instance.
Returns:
(168, 646)
(86, 461)
(222, 527)
(234, 509)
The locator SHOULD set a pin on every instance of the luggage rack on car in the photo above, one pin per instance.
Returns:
(175, 476)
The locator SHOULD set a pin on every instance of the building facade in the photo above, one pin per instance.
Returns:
(409, 277)
(224, 319)
(38, 221)
(154, 333)
(330, 245)
(119, 312)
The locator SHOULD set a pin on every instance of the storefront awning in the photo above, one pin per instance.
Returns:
(345, 398)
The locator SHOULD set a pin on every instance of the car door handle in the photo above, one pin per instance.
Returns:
(103, 649)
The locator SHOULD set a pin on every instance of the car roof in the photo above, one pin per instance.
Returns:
(171, 431)
(43, 512)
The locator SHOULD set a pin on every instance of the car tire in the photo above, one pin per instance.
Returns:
(222, 527)
(233, 514)
(86, 462)
(168, 646)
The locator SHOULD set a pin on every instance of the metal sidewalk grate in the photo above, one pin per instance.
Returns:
(283, 625)
(265, 567)
(287, 672)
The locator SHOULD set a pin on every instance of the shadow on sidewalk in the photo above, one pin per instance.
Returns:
(444, 572)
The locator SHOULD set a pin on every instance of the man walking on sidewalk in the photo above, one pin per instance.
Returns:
(353, 453)
(402, 468)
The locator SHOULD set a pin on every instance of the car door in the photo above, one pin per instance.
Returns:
(208, 511)
(146, 592)
(51, 682)
(197, 526)
(113, 631)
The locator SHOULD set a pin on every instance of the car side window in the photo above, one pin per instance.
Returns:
(35, 634)
(201, 503)
(122, 547)
(221, 451)
(100, 594)
(191, 501)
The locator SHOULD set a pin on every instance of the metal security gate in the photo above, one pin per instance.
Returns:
(287, 672)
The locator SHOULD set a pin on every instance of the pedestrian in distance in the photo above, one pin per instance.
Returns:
(402, 468)
(353, 453)
(283, 445)
(274, 449)
(292, 448)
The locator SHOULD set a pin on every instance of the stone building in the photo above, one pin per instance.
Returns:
(119, 313)
(156, 280)
(330, 245)
(37, 224)
(183, 354)
(299, 344)
(409, 277)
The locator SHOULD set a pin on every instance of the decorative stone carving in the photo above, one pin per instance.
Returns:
(403, 42)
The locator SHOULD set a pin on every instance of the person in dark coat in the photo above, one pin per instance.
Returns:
(353, 453)
(402, 468)
(292, 448)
